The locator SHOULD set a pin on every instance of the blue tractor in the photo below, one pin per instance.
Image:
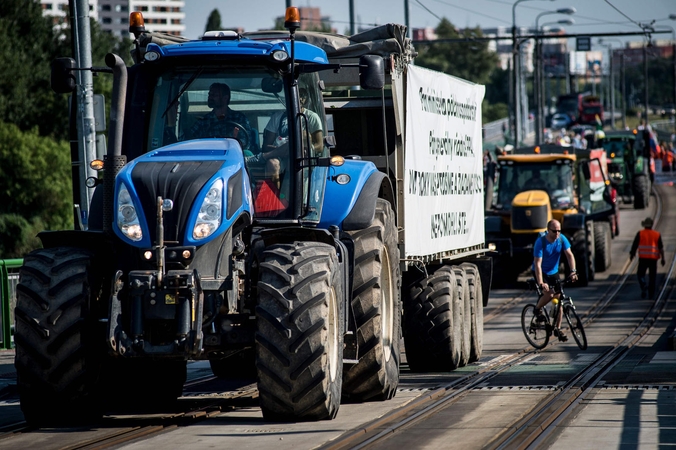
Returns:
(238, 246)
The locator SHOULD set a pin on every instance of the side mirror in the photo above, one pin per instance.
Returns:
(272, 85)
(63, 76)
(371, 72)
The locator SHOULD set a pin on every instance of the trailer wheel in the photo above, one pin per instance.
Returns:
(477, 304)
(602, 244)
(57, 358)
(432, 318)
(641, 190)
(299, 332)
(465, 315)
(376, 305)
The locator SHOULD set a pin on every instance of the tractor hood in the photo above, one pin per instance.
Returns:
(204, 186)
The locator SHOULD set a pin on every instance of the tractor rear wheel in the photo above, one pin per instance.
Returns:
(582, 248)
(641, 190)
(602, 243)
(376, 304)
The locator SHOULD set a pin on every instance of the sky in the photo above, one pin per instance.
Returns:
(591, 15)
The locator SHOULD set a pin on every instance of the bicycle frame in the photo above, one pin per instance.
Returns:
(538, 333)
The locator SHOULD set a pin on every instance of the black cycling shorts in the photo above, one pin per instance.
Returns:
(549, 279)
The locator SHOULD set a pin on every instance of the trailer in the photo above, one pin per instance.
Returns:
(423, 133)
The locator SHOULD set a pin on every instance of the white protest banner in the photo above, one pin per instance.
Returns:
(443, 181)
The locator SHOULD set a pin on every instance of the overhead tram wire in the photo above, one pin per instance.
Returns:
(535, 36)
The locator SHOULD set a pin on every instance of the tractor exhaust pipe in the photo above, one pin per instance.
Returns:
(114, 160)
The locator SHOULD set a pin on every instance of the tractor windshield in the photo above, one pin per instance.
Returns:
(616, 147)
(554, 178)
(250, 105)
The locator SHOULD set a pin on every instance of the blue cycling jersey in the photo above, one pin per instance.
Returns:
(550, 252)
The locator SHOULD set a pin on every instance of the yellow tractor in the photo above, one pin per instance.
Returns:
(538, 184)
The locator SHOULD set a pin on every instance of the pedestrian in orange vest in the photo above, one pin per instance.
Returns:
(648, 243)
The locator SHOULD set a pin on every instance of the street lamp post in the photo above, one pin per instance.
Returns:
(612, 80)
(537, 73)
(540, 68)
(516, 69)
(611, 83)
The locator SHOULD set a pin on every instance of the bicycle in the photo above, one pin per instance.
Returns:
(537, 332)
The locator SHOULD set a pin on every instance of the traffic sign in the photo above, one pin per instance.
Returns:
(583, 44)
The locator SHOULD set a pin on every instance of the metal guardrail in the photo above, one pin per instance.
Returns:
(9, 278)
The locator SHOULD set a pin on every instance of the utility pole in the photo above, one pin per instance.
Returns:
(351, 17)
(406, 18)
(612, 88)
(645, 78)
(86, 130)
(623, 91)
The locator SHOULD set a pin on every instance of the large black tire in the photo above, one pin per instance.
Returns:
(466, 314)
(641, 190)
(591, 250)
(376, 305)
(477, 303)
(582, 248)
(58, 356)
(602, 245)
(432, 317)
(299, 332)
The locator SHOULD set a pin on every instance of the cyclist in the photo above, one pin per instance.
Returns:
(546, 255)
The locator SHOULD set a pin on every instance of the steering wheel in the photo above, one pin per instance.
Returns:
(242, 134)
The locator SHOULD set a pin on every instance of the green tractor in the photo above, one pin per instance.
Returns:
(629, 165)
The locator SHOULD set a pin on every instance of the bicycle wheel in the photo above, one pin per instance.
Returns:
(535, 332)
(576, 328)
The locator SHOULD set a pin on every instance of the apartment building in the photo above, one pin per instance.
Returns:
(165, 16)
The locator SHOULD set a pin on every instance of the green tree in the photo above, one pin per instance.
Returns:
(214, 21)
(35, 188)
(27, 45)
(470, 60)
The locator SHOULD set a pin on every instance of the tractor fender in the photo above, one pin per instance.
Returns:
(88, 240)
(573, 222)
(352, 206)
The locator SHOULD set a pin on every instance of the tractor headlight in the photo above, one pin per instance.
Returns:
(127, 219)
(210, 213)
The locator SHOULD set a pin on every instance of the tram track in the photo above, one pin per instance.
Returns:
(538, 424)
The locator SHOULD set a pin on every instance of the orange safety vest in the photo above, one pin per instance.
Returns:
(647, 244)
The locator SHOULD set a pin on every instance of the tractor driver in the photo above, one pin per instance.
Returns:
(535, 182)
(223, 121)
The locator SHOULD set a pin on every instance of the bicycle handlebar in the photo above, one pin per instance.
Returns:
(532, 284)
